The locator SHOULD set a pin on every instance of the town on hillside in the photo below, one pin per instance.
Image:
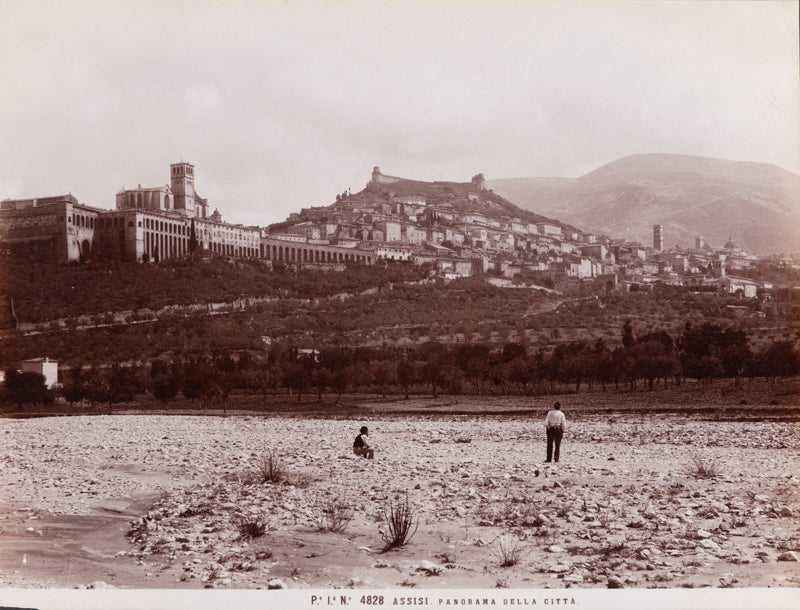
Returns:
(457, 229)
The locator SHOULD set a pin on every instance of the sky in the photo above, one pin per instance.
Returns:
(282, 105)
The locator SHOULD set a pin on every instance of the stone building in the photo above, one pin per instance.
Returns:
(178, 196)
(300, 251)
(57, 229)
(148, 224)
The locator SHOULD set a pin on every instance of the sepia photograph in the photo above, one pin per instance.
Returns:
(361, 305)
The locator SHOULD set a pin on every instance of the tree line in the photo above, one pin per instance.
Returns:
(701, 352)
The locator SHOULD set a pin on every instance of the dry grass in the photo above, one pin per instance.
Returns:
(703, 467)
(336, 516)
(270, 468)
(509, 550)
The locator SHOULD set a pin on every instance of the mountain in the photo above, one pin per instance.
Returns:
(756, 205)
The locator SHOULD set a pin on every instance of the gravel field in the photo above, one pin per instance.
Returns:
(162, 501)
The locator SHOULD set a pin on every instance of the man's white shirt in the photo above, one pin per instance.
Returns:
(555, 418)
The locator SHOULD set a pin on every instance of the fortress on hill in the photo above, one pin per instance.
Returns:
(379, 178)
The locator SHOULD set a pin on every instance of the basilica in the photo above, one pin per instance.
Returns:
(148, 224)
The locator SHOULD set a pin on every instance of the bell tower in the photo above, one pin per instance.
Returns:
(182, 183)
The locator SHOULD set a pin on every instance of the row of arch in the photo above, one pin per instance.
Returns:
(82, 220)
(233, 250)
(167, 227)
(298, 254)
(160, 246)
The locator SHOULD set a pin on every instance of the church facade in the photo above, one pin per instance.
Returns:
(178, 196)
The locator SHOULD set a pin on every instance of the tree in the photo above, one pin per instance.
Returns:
(521, 371)
(296, 377)
(97, 385)
(433, 373)
(734, 353)
(406, 375)
(627, 334)
(511, 351)
(382, 376)
(74, 389)
(165, 384)
(122, 385)
(339, 383)
(779, 359)
(473, 360)
(321, 377)
(26, 388)
(198, 379)
(268, 376)
(605, 368)
(453, 381)
(192, 239)
(165, 388)
(707, 368)
(650, 361)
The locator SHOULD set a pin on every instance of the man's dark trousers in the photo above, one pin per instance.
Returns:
(554, 435)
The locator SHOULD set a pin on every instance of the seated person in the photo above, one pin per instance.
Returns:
(361, 445)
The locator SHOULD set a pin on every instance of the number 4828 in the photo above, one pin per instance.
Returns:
(372, 600)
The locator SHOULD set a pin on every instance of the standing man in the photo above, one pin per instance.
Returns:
(555, 422)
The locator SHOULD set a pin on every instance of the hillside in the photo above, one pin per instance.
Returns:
(757, 205)
(44, 292)
(451, 195)
(215, 306)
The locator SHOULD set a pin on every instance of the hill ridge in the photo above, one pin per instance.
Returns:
(755, 204)
(468, 197)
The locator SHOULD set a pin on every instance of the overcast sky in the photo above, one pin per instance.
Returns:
(280, 105)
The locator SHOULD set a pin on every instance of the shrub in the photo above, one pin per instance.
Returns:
(159, 546)
(400, 522)
(249, 527)
(703, 466)
(607, 550)
(509, 550)
(270, 468)
(336, 515)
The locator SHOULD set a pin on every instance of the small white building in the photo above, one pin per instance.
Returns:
(394, 252)
(44, 366)
(739, 285)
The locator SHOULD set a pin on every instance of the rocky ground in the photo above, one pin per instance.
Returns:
(157, 501)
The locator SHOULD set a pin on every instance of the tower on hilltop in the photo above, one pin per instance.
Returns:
(182, 183)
